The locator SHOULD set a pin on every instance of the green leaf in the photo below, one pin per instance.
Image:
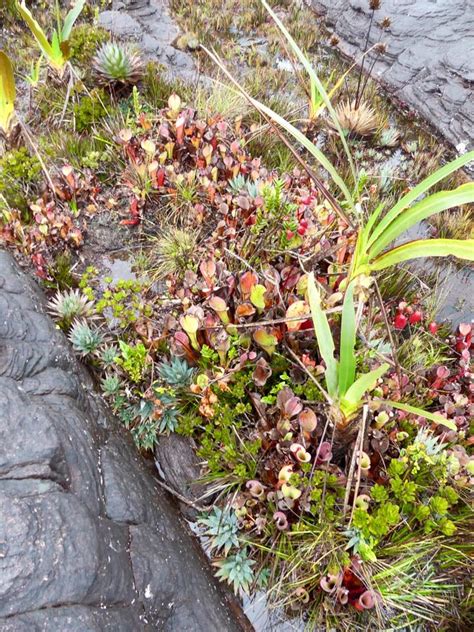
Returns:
(315, 83)
(40, 37)
(460, 248)
(7, 92)
(435, 417)
(419, 190)
(431, 205)
(347, 362)
(323, 336)
(353, 397)
(71, 19)
(309, 146)
(257, 296)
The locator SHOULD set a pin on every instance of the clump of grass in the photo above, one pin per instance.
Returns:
(457, 224)
(173, 252)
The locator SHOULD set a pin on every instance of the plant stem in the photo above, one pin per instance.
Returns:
(361, 70)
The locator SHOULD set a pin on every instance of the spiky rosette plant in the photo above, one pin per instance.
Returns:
(358, 119)
(176, 372)
(115, 63)
(67, 306)
(85, 339)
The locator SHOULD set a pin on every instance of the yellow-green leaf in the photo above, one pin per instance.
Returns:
(257, 294)
(323, 336)
(435, 417)
(420, 211)
(347, 359)
(419, 190)
(460, 248)
(315, 84)
(40, 36)
(7, 92)
(353, 397)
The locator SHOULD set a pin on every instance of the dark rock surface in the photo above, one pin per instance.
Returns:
(88, 540)
(429, 63)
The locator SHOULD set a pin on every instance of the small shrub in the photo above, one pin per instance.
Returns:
(19, 178)
(90, 109)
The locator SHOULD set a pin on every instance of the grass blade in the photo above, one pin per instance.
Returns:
(431, 205)
(460, 248)
(316, 82)
(288, 127)
(347, 360)
(435, 417)
(7, 92)
(323, 336)
(309, 146)
(351, 400)
(420, 189)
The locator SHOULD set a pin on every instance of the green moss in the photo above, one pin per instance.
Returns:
(84, 42)
(90, 109)
(19, 178)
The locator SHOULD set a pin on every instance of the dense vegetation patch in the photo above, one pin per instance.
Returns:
(268, 318)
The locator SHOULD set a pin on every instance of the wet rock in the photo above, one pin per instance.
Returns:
(43, 538)
(86, 533)
(430, 59)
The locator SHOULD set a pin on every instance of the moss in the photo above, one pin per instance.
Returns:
(19, 178)
(90, 109)
(84, 42)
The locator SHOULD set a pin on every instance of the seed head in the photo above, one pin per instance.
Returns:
(334, 40)
(374, 5)
(381, 48)
(386, 23)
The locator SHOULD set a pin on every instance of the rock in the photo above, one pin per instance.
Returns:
(430, 59)
(53, 551)
(88, 540)
(119, 23)
(79, 619)
(155, 32)
(179, 465)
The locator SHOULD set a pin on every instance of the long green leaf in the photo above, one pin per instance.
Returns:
(316, 82)
(353, 397)
(40, 36)
(301, 138)
(438, 419)
(460, 248)
(7, 92)
(323, 336)
(431, 205)
(419, 190)
(347, 359)
(309, 146)
(70, 19)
